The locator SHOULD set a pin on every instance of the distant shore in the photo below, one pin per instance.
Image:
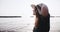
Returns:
(20, 16)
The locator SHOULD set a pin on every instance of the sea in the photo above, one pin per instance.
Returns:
(26, 24)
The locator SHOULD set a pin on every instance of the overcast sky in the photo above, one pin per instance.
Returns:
(23, 7)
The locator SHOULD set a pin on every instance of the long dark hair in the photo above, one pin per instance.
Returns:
(36, 10)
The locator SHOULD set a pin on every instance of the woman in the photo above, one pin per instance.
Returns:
(42, 18)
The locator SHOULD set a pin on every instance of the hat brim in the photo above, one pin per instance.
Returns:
(33, 6)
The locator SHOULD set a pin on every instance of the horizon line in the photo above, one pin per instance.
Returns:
(20, 16)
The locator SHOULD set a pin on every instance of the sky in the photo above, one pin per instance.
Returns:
(23, 7)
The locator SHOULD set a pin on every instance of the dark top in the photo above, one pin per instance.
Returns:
(44, 23)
